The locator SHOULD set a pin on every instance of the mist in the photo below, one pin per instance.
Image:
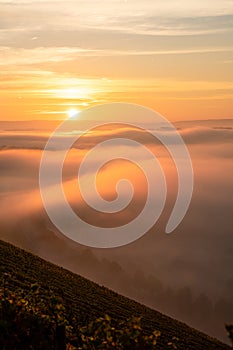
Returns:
(186, 274)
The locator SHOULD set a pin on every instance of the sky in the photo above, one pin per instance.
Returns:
(172, 56)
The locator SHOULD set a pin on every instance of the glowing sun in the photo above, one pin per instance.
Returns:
(73, 113)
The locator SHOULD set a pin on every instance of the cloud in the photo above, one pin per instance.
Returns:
(39, 55)
(37, 24)
(119, 34)
(192, 135)
(198, 254)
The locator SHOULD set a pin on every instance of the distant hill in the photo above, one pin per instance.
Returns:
(87, 301)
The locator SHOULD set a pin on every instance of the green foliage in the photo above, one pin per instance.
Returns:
(229, 329)
(128, 335)
(38, 321)
(43, 306)
(27, 320)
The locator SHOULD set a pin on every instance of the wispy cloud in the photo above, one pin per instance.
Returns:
(208, 133)
(117, 51)
(39, 55)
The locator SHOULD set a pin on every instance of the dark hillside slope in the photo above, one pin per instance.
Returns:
(88, 300)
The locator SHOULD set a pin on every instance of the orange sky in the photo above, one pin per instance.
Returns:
(175, 57)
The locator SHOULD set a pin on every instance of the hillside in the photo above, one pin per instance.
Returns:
(87, 301)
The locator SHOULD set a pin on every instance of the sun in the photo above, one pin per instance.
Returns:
(73, 113)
